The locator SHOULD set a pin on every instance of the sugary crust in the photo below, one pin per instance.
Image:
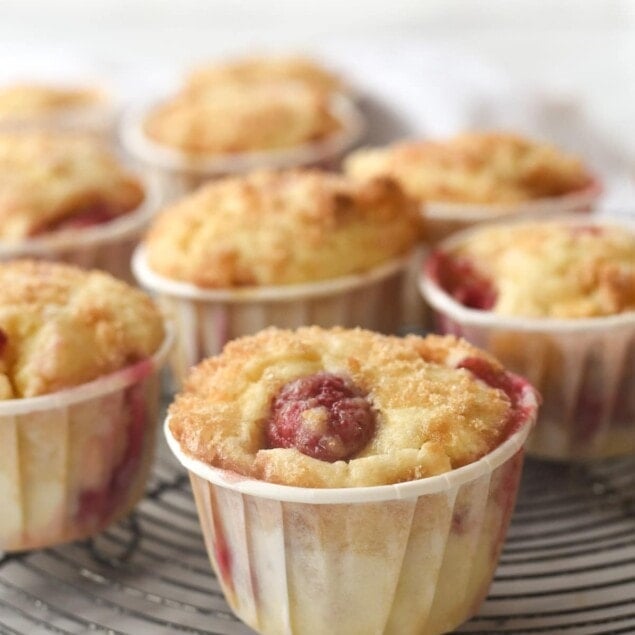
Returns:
(241, 117)
(264, 69)
(23, 101)
(550, 269)
(47, 178)
(431, 416)
(486, 168)
(271, 228)
(61, 326)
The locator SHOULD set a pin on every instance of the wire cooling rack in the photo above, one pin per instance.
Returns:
(568, 565)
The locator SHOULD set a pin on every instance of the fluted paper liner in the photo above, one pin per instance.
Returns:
(443, 219)
(411, 558)
(583, 368)
(106, 246)
(74, 461)
(207, 319)
(180, 173)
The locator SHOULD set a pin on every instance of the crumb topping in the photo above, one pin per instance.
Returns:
(271, 228)
(550, 269)
(478, 168)
(243, 117)
(61, 326)
(430, 414)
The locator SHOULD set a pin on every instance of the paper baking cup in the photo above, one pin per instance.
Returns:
(584, 368)
(107, 246)
(411, 558)
(180, 173)
(443, 219)
(74, 461)
(207, 319)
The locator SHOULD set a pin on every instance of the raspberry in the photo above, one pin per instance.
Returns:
(324, 416)
(459, 277)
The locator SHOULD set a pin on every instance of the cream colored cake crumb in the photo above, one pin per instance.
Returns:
(273, 228)
(430, 415)
(61, 326)
(552, 269)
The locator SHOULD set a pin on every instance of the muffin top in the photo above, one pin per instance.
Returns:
(61, 326)
(543, 269)
(346, 408)
(485, 168)
(53, 180)
(251, 70)
(21, 101)
(272, 228)
(243, 117)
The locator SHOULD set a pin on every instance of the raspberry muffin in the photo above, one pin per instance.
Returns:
(28, 105)
(253, 70)
(63, 196)
(234, 126)
(372, 477)
(279, 248)
(478, 176)
(79, 356)
(555, 300)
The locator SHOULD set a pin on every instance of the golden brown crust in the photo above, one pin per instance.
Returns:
(551, 269)
(24, 101)
(234, 118)
(431, 416)
(271, 228)
(485, 168)
(50, 177)
(250, 70)
(62, 326)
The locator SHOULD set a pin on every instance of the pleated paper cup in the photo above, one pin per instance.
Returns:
(75, 461)
(583, 368)
(180, 173)
(106, 246)
(405, 559)
(207, 319)
(444, 219)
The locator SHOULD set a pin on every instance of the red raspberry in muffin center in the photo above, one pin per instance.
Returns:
(324, 416)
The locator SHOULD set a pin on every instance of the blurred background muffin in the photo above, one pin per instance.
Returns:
(479, 176)
(66, 196)
(279, 248)
(79, 357)
(233, 116)
(555, 301)
(55, 106)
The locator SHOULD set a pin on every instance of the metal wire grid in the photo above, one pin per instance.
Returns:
(568, 565)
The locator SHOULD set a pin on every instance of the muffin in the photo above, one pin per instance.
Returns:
(79, 357)
(234, 126)
(253, 70)
(368, 479)
(27, 105)
(478, 176)
(555, 300)
(278, 248)
(64, 196)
